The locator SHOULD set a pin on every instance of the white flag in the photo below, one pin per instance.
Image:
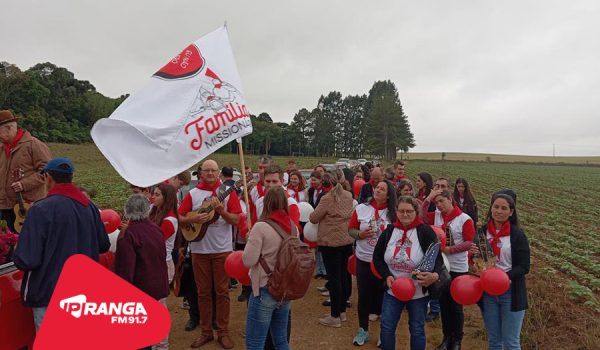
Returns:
(191, 107)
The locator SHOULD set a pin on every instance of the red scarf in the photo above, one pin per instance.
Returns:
(377, 209)
(447, 218)
(71, 191)
(9, 146)
(283, 219)
(206, 187)
(416, 222)
(326, 189)
(296, 192)
(260, 189)
(504, 231)
(421, 195)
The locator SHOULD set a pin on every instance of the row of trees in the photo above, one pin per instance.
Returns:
(51, 103)
(56, 107)
(351, 126)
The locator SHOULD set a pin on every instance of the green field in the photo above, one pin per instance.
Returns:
(557, 205)
(508, 158)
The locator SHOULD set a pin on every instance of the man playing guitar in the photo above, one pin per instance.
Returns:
(210, 252)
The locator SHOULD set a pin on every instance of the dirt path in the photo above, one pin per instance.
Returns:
(308, 334)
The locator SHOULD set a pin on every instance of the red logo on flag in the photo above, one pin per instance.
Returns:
(187, 64)
(92, 308)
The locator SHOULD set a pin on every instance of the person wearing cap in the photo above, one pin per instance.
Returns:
(63, 224)
(22, 157)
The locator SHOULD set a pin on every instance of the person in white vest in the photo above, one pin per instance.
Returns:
(209, 254)
(460, 232)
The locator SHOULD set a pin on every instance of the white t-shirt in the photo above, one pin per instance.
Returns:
(364, 213)
(504, 261)
(404, 260)
(459, 262)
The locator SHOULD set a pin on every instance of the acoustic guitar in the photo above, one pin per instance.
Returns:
(194, 232)
(21, 207)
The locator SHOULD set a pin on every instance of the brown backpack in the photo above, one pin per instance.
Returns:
(294, 267)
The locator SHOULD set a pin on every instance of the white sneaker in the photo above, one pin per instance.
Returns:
(343, 317)
(331, 321)
(325, 293)
(373, 317)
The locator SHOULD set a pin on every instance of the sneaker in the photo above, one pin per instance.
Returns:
(325, 293)
(361, 337)
(379, 343)
(373, 317)
(326, 302)
(185, 304)
(343, 317)
(321, 289)
(348, 304)
(330, 321)
(241, 297)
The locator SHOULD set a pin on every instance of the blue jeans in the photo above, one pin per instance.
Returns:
(434, 306)
(503, 326)
(266, 313)
(390, 315)
(38, 317)
(320, 265)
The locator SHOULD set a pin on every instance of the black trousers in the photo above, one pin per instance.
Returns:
(453, 317)
(370, 293)
(340, 280)
(9, 216)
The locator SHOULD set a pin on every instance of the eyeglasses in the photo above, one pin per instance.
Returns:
(405, 212)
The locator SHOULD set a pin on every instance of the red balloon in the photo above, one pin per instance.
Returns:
(356, 186)
(494, 281)
(111, 220)
(403, 288)
(374, 271)
(234, 266)
(245, 280)
(352, 265)
(441, 235)
(466, 289)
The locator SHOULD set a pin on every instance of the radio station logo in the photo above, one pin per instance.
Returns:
(119, 313)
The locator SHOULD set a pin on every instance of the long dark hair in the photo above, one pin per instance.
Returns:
(391, 201)
(469, 202)
(428, 180)
(169, 194)
(513, 219)
(302, 184)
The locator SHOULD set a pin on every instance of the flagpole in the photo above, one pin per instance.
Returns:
(243, 171)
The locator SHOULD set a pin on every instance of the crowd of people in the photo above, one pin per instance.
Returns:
(385, 225)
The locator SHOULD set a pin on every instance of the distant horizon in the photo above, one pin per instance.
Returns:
(503, 154)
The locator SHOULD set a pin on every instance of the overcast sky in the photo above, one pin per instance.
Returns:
(473, 76)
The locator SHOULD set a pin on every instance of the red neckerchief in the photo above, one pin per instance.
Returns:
(206, 187)
(504, 231)
(71, 191)
(9, 146)
(260, 189)
(421, 195)
(447, 218)
(296, 194)
(377, 208)
(416, 222)
(283, 219)
(326, 189)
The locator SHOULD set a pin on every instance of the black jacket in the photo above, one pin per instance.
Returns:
(311, 192)
(426, 238)
(519, 249)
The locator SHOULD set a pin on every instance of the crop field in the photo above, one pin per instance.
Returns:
(558, 206)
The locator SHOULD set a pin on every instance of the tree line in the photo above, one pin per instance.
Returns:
(56, 107)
